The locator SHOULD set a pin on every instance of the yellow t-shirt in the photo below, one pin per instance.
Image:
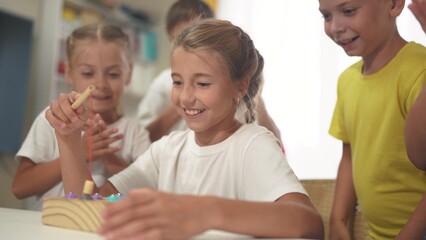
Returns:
(370, 115)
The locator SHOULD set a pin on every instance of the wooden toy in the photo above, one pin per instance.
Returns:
(77, 214)
(82, 214)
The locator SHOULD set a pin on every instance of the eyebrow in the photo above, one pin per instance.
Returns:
(197, 75)
(338, 6)
(90, 65)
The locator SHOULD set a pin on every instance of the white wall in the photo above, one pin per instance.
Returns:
(301, 69)
(23, 8)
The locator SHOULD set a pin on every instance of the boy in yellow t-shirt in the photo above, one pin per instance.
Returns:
(374, 98)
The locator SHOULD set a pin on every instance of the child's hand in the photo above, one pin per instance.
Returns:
(101, 138)
(418, 8)
(147, 214)
(63, 118)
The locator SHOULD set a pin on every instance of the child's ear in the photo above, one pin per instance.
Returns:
(397, 7)
(243, 86)
(68, 75)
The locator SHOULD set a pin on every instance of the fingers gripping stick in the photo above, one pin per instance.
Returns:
(83, 97)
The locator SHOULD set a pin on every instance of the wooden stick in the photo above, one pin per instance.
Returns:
(83, 97)
(88, 187)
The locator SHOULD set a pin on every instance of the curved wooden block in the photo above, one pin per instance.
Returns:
(83, 215)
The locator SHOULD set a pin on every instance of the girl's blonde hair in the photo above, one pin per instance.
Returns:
(97, 32)
(241, 58)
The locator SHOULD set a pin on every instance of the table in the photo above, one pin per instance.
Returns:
(25, 224)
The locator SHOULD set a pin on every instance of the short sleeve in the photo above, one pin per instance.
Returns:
(40, 144)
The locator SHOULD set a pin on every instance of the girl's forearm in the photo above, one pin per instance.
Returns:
(73, 165)
(273, 220)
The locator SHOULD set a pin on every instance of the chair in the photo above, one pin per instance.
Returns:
(321, 192)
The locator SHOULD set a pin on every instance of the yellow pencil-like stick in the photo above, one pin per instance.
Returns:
(83, 97)
(88, 187)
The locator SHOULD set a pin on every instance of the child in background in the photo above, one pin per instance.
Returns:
(418, 8)
(98, 55)
(374, 98)
(156, 111)
(219, 174)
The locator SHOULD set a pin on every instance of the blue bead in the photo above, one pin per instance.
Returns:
(114, 197)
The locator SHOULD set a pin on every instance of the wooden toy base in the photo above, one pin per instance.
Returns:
(83, 215)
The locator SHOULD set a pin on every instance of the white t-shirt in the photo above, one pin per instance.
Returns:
(249, 165)
(41, 146)
(157, 100)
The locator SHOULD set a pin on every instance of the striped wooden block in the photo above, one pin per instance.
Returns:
(77, 214)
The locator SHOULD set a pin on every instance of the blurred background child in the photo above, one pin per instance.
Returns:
(98, 55)
(155, 111)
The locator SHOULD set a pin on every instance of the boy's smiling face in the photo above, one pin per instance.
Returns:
(360, 27)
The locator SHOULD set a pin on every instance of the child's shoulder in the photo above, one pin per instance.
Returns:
(414, 52)
(410, 58)
(250, 131)
(355, 68)
(253, 135)
(410, 61)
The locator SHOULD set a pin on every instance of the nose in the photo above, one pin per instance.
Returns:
(101, 81)
(336, 26)
(187, 95)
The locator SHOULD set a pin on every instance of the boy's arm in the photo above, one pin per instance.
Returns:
(415, 228)
(33, 179)
(415, 131)
(344, 197)
(418, 8)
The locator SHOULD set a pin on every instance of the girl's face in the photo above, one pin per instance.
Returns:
(360, 27)
(104, 65)
(202, 92)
